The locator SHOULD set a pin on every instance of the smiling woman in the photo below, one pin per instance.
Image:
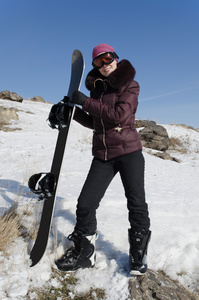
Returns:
(110, 111)
(104, 59)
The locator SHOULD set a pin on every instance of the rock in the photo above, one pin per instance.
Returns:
(7, 95)
(144, 123)
(155, 137)
(156, 285)
(37, 99)
(164, 155)
(6, 114)
(15, 97)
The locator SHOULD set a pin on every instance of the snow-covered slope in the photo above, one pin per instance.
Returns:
(172, 192)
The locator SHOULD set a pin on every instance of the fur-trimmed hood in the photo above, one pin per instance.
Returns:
(124, 74)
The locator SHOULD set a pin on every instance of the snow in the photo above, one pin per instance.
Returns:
(172, 194)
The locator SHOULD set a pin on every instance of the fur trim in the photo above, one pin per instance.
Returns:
(124, 73)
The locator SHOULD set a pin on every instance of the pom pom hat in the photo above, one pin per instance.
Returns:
(101, 48)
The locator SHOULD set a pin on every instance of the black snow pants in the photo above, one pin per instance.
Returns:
(101, 173)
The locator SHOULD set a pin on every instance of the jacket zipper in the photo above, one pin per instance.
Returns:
(104, 133)
(104, 140)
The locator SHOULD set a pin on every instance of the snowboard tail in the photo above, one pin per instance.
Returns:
(40, 244)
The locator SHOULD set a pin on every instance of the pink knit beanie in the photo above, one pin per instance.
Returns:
(101, 48)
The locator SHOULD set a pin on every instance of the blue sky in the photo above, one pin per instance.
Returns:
(159, 37)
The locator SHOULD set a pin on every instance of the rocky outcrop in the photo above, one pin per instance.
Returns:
(164, 155)
(144, 123)
(156, 285)
(7, 95)
(7, 114)
(37, 99)
(153, 136)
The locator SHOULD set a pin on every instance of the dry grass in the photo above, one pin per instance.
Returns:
(29, 220)
(176, 145)
(67, 280)
(9, 229)
(187, 127)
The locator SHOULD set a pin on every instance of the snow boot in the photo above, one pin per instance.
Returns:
(139, 241)
(81, 255)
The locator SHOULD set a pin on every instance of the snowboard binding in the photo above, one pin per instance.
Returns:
(60, 114)
(44, 186)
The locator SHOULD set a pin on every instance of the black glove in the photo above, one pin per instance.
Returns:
(60, 114)
(78, 98)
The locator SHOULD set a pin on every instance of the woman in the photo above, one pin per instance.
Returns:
(110, 112)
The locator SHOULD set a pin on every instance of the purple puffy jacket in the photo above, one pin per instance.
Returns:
(110, 111)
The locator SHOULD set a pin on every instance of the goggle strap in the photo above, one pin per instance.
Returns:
(115, 55)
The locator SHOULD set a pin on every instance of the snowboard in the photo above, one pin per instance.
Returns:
(39, 247)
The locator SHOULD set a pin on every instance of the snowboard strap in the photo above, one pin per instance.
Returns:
(45, 187)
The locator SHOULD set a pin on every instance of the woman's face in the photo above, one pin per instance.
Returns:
(108, 69)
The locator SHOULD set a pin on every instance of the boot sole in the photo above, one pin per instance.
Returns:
(137, 273)
(73, 270)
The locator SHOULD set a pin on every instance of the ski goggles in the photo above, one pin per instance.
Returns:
(104, 59)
